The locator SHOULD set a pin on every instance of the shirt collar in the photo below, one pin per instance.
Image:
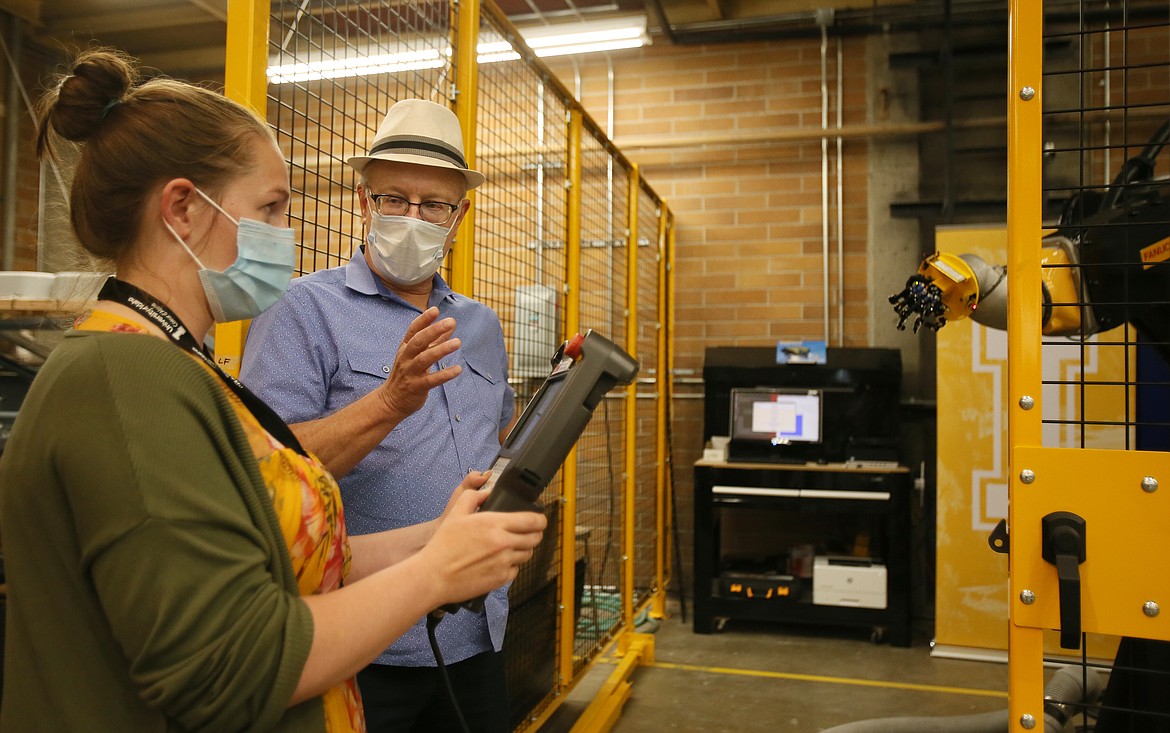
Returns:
(360, 278)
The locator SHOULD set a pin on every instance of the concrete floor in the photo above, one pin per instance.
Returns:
(768, 677)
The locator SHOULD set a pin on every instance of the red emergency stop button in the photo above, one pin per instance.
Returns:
(573, 347)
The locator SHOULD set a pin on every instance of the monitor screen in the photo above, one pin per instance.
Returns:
(776, 416)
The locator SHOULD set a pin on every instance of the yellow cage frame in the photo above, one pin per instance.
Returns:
(246, 81)
(1105, 487)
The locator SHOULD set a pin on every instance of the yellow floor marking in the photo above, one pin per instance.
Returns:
(829, 680)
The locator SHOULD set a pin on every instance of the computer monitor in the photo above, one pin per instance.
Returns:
(859, 392)
(775, 417)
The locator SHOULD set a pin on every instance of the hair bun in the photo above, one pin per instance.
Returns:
(99, 81)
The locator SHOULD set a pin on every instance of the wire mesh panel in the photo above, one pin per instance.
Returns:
(1107, 115)
(649, 392)
(1087, 518)
(336, 68)
(671, 560)
(520, 243)
(519, 270)
(601, 450)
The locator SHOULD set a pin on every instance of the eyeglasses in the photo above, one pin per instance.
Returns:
(434, 212)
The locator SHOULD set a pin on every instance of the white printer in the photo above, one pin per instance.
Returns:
(849, 581)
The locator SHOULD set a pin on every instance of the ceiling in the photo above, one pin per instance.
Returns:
(184, 36)
(187, 36)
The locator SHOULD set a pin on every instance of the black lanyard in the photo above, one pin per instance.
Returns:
(149, 307)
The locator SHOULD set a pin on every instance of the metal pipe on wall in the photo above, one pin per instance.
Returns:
(576, 78)
(11, 139)
(822, 17)
(610, 102)
(840, 207)
(948, 63)
(540, 161)
(609, 190)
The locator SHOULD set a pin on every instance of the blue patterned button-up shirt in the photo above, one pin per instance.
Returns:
(333, 339)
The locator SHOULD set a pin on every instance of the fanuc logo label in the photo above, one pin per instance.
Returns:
(1157, 252)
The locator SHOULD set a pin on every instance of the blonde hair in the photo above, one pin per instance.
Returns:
(138, 135)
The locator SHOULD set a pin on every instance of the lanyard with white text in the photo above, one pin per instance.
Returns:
(150, 308)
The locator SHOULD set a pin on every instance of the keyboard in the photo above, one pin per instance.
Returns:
(872, 464)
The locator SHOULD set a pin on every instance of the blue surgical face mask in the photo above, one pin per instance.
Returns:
(266, 256)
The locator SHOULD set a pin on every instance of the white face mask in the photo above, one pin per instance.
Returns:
(405, 250)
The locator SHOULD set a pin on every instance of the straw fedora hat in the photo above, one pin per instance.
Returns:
(420, 132)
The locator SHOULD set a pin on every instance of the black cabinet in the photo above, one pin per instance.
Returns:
(749, 515)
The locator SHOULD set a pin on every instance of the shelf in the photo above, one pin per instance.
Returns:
(993, 208)
(43, 307)
(827, 505)
(859, 467)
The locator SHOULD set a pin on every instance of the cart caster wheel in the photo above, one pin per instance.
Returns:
(719, 623)
(877, 635)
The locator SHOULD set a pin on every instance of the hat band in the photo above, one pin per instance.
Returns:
(420, 148)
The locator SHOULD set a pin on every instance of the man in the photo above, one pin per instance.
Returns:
(330, 346)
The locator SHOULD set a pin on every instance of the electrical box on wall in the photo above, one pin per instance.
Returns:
(537, 331)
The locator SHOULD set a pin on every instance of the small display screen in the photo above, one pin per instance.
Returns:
(776, 416)
(535, 409)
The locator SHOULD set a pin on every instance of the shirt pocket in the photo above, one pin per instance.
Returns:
(357, 375)
(487, 385)
(370, 366)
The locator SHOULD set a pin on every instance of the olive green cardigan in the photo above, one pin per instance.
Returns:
(149, 586)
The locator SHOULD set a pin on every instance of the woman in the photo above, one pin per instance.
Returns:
(175, 560)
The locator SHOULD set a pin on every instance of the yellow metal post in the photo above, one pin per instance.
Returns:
(1025, 644)
(630, 491)
(466, 98)
(246, 65)
(668, 287)
(245, 81)
(662, 379)
(567, 629)
(573, 227)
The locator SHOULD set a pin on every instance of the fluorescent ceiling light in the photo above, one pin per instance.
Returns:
(386, 63)
(490, 53)
(545, 41)
(587, 36)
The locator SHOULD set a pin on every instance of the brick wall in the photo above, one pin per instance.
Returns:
(748, 209)
(33, 64)
(729, 135)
